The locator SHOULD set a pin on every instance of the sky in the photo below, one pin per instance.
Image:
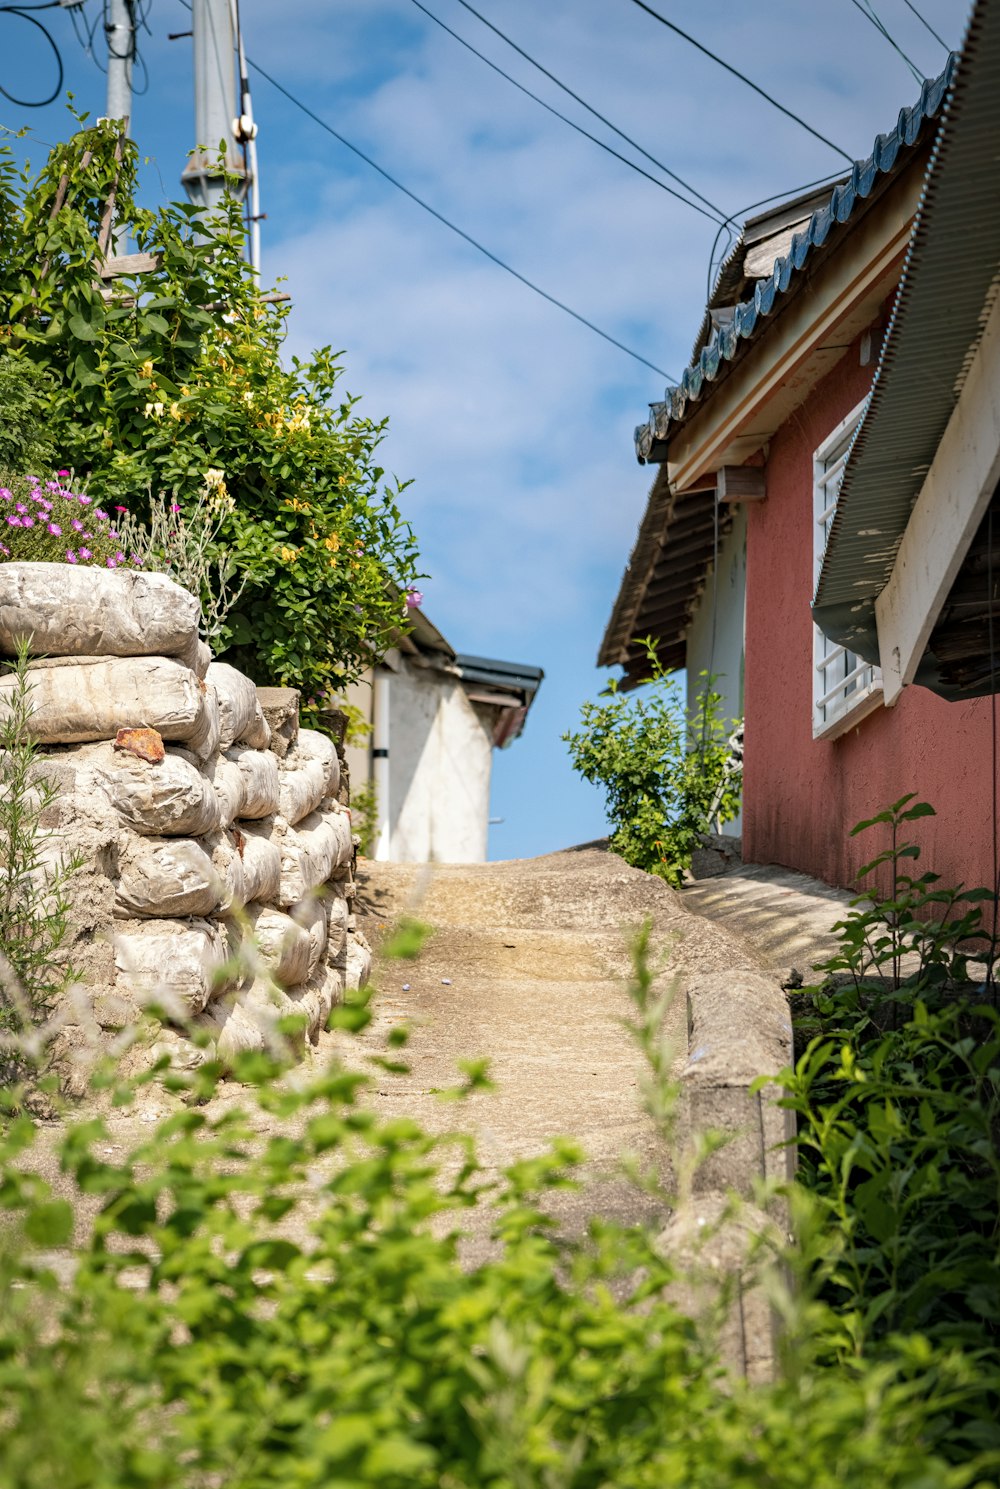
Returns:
(513, 421)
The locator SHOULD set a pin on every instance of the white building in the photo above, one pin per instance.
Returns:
(435, 718)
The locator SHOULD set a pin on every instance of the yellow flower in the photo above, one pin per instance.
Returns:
(175, 411)
(288, 555)
(332, 542)
(333, 563)
(147, 368)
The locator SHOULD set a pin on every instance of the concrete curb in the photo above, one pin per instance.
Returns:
(739, 1028)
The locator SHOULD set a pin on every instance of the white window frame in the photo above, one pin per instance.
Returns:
(844, 688)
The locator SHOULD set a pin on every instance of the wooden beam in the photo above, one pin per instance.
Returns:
(128, 263)
(945, 518)
(740, 483)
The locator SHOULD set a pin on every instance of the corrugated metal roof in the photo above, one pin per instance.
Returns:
(950, 279)
(889, 153)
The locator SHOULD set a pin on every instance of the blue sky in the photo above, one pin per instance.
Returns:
(514, 422)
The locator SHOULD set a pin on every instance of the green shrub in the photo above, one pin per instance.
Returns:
(666, 775)
(268, 1294)
(171, 382)
(898, 1102)
(34, 879)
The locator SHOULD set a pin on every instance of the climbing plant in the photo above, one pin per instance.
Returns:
(167, 380)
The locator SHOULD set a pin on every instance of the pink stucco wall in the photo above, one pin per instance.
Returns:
(802, 796)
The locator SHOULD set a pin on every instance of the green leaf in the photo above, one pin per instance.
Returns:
(50, 1223)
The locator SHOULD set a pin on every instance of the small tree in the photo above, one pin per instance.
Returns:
(666, 775)
(170, 382)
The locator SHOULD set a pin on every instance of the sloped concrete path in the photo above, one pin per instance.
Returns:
(527, 965)
(786, 916)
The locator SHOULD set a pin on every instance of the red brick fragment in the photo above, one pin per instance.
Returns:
(145, 744)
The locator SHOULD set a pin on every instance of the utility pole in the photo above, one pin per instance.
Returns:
(120, 29)
(204, 176)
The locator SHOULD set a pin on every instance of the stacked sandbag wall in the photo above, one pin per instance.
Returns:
(215, 835)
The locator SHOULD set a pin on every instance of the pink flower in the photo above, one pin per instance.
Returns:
(6, 493)
(119, 558)
(4, 550)
(62, 474)
(27, 521)
(50, 486)
(413, 599)
(70, 556)
(101, 516)
(55, 529)
(174, 507)
(77, 525)
(20, 507)
(136, 561)
(83, 500)
(85, 553)
(121, 509)
(111, 564)
(14, 521)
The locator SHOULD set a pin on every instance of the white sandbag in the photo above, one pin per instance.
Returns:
(313, 745)
(259, 773)
(227, 783)
(227, 861)
(92, 698)
(283, 946)
(169, 799)
(206, 740)
(90, 612)
(175, 963)
(164, 877)
(264, 1004)
(261, 869)
(310, 914)
(316, 1000)
(358, 970)
(336, 920)
(232, 1030)
(302, 787)
(242, 717)
(310, 852)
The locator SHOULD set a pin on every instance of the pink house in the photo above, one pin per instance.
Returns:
(820, 528)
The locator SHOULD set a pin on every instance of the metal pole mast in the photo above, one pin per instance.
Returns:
(204, 176)
(120, 29)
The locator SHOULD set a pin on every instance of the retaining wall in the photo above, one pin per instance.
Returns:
(215, 833)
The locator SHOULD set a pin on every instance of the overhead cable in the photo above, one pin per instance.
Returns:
(735, 71)
(763, 201)
(869, 14)
(467, 237)
(924, 22)
(24, 12)
(590, 110)
(714, 215)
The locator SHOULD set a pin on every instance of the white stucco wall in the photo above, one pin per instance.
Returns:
(440, 763)
(726, 591)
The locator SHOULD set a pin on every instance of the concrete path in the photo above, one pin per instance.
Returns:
(528, 965)
(787, 917)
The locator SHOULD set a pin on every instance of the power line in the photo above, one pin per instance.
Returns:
(869, 14)
(763, 201)
(924, 22)
(24, 12)
(712, 215)
(590, 110)
(736, 73)
(467, 237)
